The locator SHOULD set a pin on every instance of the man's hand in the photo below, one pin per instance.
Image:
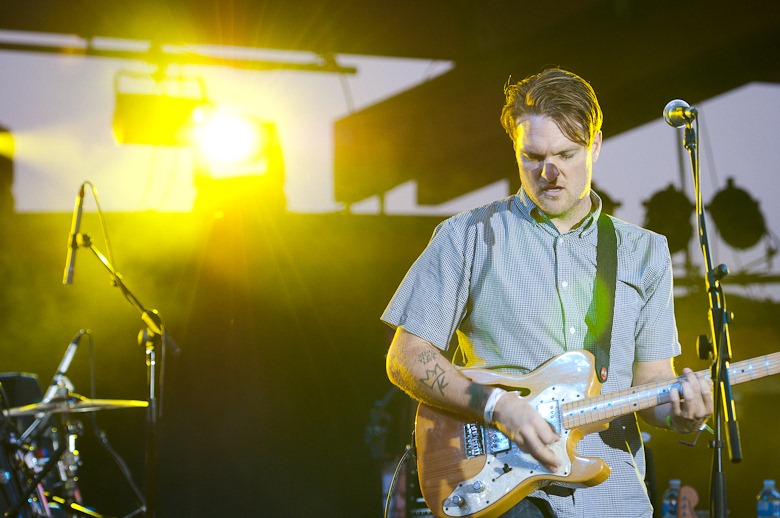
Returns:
(694, 406)
(519, 421)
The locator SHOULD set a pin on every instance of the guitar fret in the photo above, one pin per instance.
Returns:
(605, 407)
(754, 369)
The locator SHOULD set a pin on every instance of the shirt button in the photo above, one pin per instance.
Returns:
(572, 330)
(565, 284)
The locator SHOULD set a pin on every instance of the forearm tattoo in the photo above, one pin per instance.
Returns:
(434, 377)
(478, 396)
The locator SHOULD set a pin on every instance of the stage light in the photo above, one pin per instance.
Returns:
(6, 143)
(157, 110)
(669, 213)
(230, 144)
(6, 171)
(238, 164)
(737, 217)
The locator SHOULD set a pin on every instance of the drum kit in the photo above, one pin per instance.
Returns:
(39, 460)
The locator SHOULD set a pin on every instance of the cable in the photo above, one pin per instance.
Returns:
(118, 460)
(103, 227)
(394, 482)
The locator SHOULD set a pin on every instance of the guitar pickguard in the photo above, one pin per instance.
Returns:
(506, 465)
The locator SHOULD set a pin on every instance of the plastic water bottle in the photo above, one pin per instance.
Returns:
(768, 500)
(669, 500)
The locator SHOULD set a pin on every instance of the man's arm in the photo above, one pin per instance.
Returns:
(687, 411)
(422, 371)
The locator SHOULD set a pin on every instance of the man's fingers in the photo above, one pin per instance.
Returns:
(675, 397)
(542, 453)
(698, 397)
(692, 399)
(545, 431)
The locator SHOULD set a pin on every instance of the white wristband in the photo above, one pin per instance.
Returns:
(490, 405)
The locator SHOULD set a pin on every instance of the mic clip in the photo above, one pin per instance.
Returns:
(60, 389)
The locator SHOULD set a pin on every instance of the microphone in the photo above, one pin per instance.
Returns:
(63, 367)
(70, 259)
(679, 113)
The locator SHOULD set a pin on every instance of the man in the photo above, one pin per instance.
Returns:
(515, 281)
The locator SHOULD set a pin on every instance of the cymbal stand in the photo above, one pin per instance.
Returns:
(70, 461)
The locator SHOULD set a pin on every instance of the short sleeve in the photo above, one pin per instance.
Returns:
(656, 329)
(431, 300)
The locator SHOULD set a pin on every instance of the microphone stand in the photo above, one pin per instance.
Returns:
(718, 349)
(153, 336)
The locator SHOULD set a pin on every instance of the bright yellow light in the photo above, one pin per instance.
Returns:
(237, 160)
(225, 138)
(6, 144)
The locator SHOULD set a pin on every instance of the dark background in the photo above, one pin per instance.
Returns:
(266, 408)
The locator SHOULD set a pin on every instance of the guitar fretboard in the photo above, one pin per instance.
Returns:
(608, 406)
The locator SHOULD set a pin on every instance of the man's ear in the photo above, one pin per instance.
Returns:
(596, 146)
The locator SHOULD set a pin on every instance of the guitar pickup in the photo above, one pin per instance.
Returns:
(551, 412)
(498, 442)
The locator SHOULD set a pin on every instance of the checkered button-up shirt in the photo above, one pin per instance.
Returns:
(517, 292)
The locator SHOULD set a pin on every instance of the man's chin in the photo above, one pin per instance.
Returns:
(551, 207)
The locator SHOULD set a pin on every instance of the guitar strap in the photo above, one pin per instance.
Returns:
(604, 293)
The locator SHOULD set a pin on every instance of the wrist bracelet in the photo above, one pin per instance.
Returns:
(490, 405)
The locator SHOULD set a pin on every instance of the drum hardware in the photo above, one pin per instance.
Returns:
(77, 509)
(44, 458)
(70, 461)
(33, 494)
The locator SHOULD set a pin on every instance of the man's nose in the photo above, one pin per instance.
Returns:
(550, 171)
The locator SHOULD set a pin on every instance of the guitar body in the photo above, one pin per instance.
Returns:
(467, 469)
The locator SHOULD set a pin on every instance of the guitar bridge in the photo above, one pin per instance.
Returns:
(476, 442)
(472, 440)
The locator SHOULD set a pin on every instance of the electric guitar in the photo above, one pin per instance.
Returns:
(469, 469)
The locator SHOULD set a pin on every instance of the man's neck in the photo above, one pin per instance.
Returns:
(570, 222)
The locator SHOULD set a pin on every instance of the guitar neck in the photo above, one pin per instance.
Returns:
(608, 406)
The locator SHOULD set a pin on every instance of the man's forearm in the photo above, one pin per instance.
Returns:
(420, 369)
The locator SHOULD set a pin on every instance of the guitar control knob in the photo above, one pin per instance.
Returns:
(455, 500)
(479, 486)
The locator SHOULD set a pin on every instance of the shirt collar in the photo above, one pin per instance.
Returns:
(531, 212)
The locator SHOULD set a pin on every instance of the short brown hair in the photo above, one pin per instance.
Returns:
(563, 96)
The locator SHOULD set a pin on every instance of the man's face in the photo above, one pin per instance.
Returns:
(555, 172)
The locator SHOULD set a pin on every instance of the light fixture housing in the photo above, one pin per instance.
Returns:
(669, 212)
(737, 217)
(156, 109)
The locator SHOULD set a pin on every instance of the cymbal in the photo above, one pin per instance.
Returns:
(74, 404)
